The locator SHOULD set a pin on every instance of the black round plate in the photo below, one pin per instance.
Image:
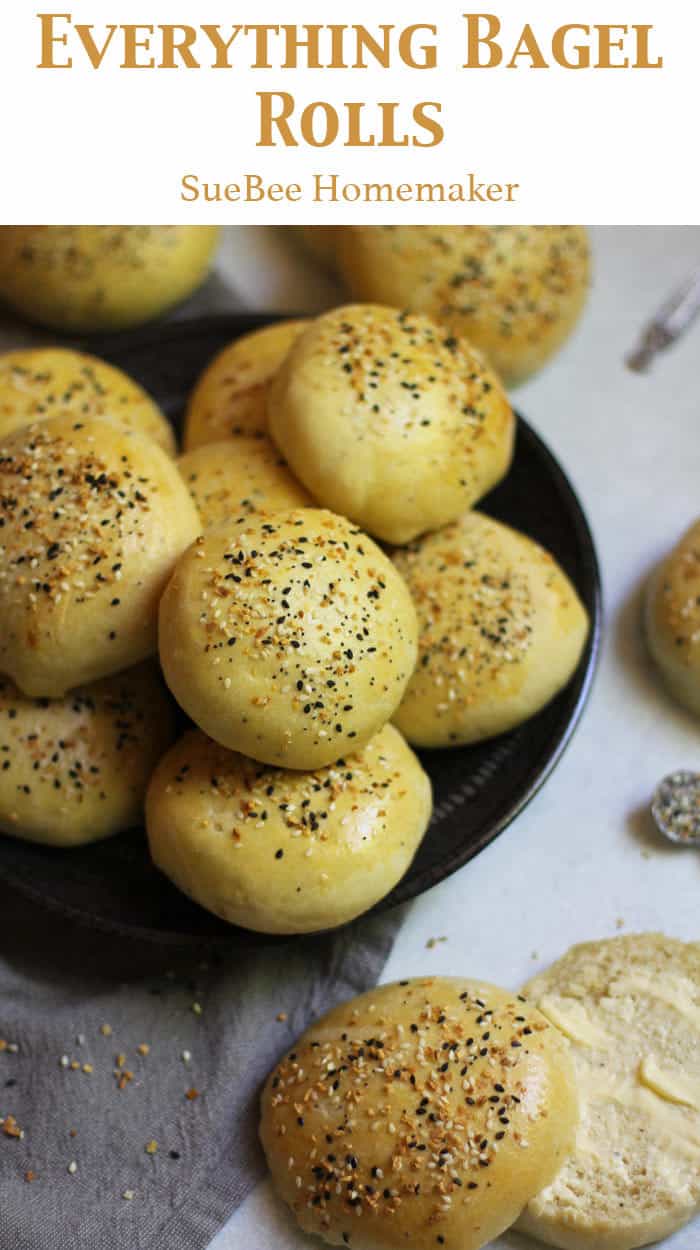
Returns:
(478, 790)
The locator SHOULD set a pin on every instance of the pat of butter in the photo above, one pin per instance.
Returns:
(674, 991)
(671, 1086)
(569, 1016)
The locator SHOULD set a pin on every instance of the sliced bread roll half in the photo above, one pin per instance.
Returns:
(630, 1007)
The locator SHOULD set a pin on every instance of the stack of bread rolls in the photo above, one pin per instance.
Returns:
(292, 639)
(93, 516)
(437, 1112)
(314, 582)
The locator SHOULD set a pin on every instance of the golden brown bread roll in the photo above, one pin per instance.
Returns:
(319, 242)
(515, 292)
(41, 382)
(230, 398)
(672, 618)
(88, 278)
(92, 520)
(237, 477)
(424, 1113)
(501, 630)
(389, 420)
(288, 636)
(75, 769)
(287, 852)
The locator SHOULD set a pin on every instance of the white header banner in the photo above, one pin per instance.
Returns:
(202, 111)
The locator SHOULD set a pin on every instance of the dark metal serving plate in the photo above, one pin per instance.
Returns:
(478, 790)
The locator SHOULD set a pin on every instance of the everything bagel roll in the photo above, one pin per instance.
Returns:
(282, 851)
(288, 636)
(424, 1113)
(672, 619)
(230, 398)
(389, 419)
(41, 382)
(83, 279)
(92, 519)
(75, 769)
(514, 292)
(237, 477)
(501, 631)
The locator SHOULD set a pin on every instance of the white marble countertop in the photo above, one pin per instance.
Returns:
(582, 861)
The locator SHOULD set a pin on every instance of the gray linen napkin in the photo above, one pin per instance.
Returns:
(133, 1074)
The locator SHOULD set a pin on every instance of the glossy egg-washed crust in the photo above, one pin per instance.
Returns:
(237, 477)
(516, 292)
(501, 630)
(672, 618)
(288, 636)
(89, 278)
(92, 520)
(41, 382)
(230, 398)
(287, 852)
(389, 419)
(425, 1114)
(74, 770)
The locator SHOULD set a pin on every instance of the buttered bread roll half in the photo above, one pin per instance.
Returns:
(74, 770)
(41, 382)
(288, 636)
(501, 631)
(237, 477)
(89, 278)
(515, 292)
(630, 1007)
(230, 398)
(279, 851)
(423, 1114)
(92, 519)
(672, 619)
(389, 419)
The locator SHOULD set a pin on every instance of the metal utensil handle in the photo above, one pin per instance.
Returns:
(681, 308)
